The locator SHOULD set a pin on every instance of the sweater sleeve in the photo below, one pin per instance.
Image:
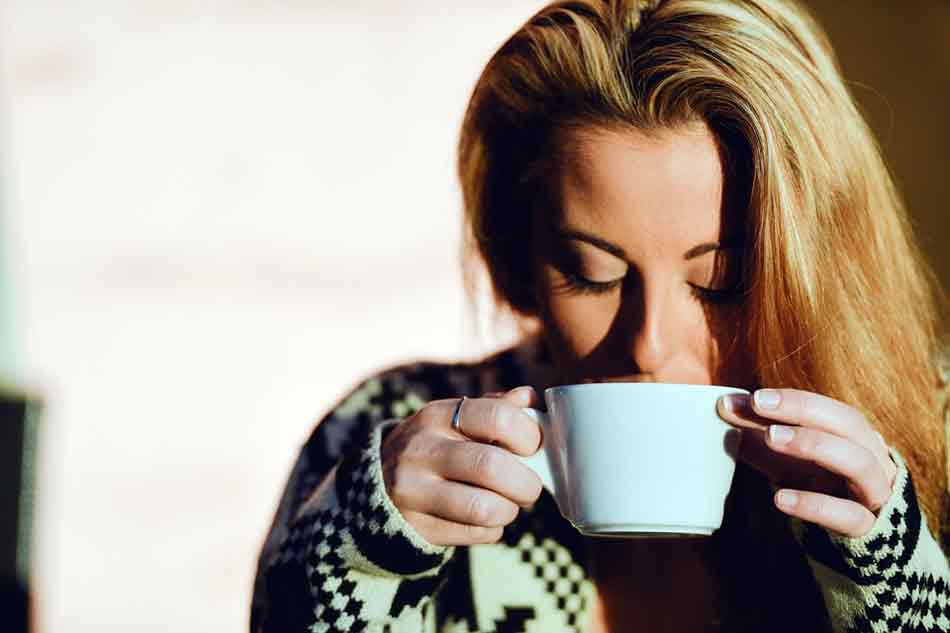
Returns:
(895, 578)
(341, 557)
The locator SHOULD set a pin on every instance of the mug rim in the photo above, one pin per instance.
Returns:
(585, 386)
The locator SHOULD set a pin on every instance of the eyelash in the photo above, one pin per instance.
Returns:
(575, 284)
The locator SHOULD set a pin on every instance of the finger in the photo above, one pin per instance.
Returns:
(869, 482)
(802, 408)
(488, 467)
(524, 396)
(460, 503)
(883, 453)
(441, 532)
(499, 421)
(736, 409)
(785, 470)
(842, 516)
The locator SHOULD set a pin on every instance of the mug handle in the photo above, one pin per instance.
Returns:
(539, 461)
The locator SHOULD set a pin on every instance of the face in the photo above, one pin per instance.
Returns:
(639, 266)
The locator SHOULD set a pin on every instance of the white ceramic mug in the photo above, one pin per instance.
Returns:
(637, 459)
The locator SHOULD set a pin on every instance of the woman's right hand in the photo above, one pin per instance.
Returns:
(457, 489)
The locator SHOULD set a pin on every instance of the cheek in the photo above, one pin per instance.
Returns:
(581, 322)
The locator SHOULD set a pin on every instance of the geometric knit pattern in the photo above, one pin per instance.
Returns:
(340, 557)
(337, 607)
(562, 577)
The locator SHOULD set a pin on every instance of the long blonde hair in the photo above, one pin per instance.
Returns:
(839, 299)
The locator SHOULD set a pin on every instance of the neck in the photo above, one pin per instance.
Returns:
(641, 582)
(613, 557)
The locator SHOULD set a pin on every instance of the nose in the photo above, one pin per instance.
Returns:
(653, 327)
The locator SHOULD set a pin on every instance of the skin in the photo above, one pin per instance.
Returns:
(631, 207)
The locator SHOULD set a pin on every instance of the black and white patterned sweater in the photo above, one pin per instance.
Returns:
(340, 557)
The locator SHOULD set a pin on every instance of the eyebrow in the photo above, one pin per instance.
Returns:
(616, 251)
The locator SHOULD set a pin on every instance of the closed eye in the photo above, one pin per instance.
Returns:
(717, 296)
(577, 284)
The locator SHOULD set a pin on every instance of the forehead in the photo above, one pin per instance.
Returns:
(648, 193)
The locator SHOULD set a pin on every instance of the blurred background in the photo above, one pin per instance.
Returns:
(218, 216)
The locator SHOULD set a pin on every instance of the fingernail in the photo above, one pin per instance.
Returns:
(525, 389)
(735, 402)
(780, 434)
(767, 398)
(786, 498)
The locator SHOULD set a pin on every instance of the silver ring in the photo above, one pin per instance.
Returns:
(457, 417)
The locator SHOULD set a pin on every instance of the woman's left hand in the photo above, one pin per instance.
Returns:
(830, 466)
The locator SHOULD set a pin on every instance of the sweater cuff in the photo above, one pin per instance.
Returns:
(889, 545)
(380, 532)
(385, 543)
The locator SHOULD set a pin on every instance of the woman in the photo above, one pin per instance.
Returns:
(665, 191)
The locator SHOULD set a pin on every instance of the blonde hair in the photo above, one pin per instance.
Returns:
(839, 299)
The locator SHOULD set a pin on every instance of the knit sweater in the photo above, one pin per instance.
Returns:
(340, 557)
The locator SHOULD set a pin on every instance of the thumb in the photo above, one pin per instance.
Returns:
(524, 396)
